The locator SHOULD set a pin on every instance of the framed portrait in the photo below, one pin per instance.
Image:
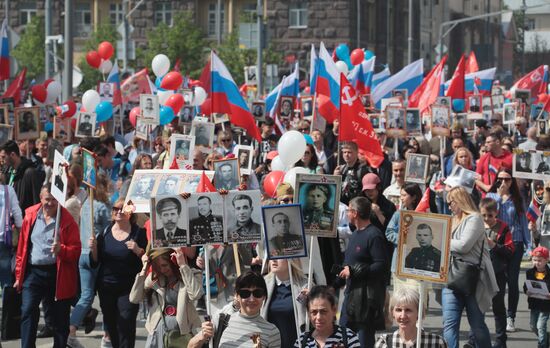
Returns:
(286, 106)
(62, 129)
(150, 108)
(446, 101)
(10, 102)
(319, 197)
(4, 114)
(168, 184)
(524, 95)
(141, 189)
(375, 121)
(366, 100)
(307, 106)
(258, 110)
(487, 107)
(417, 168)
(461, 176)
(243, 216)
(89, 167)
(27, 123)
(204, 135)
(206, 218)
(395, 122)
(545, 225)
(106, 91)
(393, 101)
(6, 133)
(187, 113)
(192, 178)
(169, 217)
(542, 127)
(244, 155)
(85, 125)
(220, 118)
(510, 113)
(424, 246)
(401, 93)
(58, 187)
(226, 174)
(319, 123)
(250, 75)
(474, 103)
(440, 120)
(284, 231)
(142, 129)
(537, 112)
(541, 164)
(413, 123)
(537, 191)
(523, 164)
(187, 94)
(181, 149)
(459, 118)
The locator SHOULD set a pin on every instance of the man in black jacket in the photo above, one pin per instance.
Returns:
(366, 260)
(352, 172)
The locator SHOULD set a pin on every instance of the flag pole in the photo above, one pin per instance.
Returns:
(211, 85)
(339, 119)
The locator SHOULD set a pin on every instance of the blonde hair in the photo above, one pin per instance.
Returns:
(297, 273)
(468, 152)
(464, 201)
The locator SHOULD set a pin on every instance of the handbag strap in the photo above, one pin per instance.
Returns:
(6, 208)
(163, 307)
(481, 253)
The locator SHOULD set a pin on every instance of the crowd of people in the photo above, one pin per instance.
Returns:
(62, 259)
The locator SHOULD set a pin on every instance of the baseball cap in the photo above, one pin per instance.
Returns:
(482, 124)
(540, 251)
(271, 155)
(370, 181)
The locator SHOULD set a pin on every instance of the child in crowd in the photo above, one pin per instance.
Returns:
(540, 307)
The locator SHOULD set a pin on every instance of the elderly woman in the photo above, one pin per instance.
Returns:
(468, 245)
(170, 290)
(404, 309)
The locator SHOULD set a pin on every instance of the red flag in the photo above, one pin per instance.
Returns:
(428, 91)
(135, 85)
(14, 89)
(174, 164)
(205, 185)
(355, 124)
(535, 81)
(424, 204)
(471, 63)
(206, 77)
(177, 65)
(456, 86)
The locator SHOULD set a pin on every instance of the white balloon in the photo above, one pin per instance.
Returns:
(290, 176)
(163, 96)
(199, 96)
(106, 66)
(342, 67)
(160, 65)
(277, 164)
(90, 99)
(292, 146)
(54, 91)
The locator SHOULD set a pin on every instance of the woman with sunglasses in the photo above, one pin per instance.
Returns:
(309, 161)
(117, 252)
(511, 210)
(225, 142)
(245, 327)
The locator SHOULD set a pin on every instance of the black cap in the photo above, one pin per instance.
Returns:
(269, 121)
(482, 124)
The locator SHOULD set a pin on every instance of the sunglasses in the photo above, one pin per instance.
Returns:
(257, 293)
(303, 129)
(505, 179)
(116, 210)
(226, 140)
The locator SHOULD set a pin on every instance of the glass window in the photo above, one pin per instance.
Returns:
(163, 13)
(212, 18)
(27, 10)
(297, 15)
(116, 14)
(83, 19)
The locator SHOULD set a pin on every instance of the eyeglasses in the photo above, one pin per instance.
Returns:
(116, 210)
(257, 293)
(449, 203)
(505, 179)
(226, 140)
(285, 200)
(303, 129)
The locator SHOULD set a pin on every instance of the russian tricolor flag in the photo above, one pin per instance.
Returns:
(485, 81)
(361, 76)
(226, 99)
(380, 77)
(289, 87)
(114, 77)
(328, 85)
(5, 52)
(410, 77)
(312, 70)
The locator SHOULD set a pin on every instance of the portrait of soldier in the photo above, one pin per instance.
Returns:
(258, 110)
(201, 135)
(244, 156)
(426, 257)
(169, 210)
(58, 181)
(206, 227)
(169, 186)
(182, 149)
(143, 188)
(225, 178)
(85, 127)
(244, 228)
(394, 119)
(284, 242)
(417, 166)
(523, 162)
(412, 120)
(317, 212)
(27, 123)
(286, 108)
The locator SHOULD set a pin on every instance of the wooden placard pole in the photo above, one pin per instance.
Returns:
(207, 275)
(420, 323)
(236, 258)
(292, 287)
(91, 198)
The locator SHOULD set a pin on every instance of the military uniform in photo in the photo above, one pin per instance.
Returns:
(206, 229)
(318, 219)
(287, 244)
(248, 231)
(424, 258)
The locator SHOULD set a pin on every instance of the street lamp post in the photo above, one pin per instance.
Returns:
(68, 66)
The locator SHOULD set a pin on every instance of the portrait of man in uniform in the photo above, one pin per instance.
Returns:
(284, 242)
(168, 210)
(426, 257)
(143, 188)
(207, 227)
(244, 228)
(317, 212)
(226, 176)
(85, 127)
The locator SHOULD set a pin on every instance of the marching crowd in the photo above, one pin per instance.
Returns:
(62, 260)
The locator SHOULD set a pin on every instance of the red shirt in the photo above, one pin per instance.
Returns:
(489, 165)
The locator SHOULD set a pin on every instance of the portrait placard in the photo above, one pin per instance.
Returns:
(542, 127)
(286, 106)
(424, 246)
(204, 135)
(522, 165)
(142, 129)
(244, 155)
(307, 104)
(395, 122)
(106, 91)
(58, 187)
(243, 216)
(226, 174)
(403, 94)
(206, 218)
(188, 96)
(545, 224)
(510, 113)
(524, 95)
(487, 107)
(258, 110)
(366, 100)
(27, 123)
(250, 75)
(4, 114)
(181, 149)
(440, 120)
(461, 176)
(445, 101)
(413, 123)
(85, 125)
(319, 197)
(62, 129)
(394, 101)
(284, 231)
(417, 168)
(89, 167)
(375, 120)
(169, 220)
(150, 108)
(474, 103)
(187, 113)
(6, 133)
(220, 118)
(168, 184)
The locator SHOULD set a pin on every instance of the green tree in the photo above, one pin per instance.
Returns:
(184, 40)
(29, 52)
(104, 32)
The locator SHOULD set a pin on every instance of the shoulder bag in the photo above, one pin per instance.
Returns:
(173, 338)
(464, 275)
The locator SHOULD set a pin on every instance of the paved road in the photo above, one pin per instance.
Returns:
(523, 338)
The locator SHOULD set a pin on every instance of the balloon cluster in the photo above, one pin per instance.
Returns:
(100, 59)
(346, 61)
(46, 93)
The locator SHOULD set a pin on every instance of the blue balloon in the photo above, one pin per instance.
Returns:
(158, 81)
(368, 54)
(48, 127)
(342, 52)
(166, 115)
(309, 139)
(104, 111)
(458, 105)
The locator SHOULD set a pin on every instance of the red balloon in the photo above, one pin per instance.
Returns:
(105, 50)
(72, 108)
(47, 82)
(206, 107)
(307, 90)
(271, 181)
(171, 81)
(134, 113)
(39, 93)
(357, 56)
(73, 123)
(93, 59)
(175, 101)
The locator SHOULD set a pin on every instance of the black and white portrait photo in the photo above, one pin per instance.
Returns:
(424, 246)
(524, 164)
(401, 93)
(250, 75)
(141, 187)
(169, 221)
(168, 185)
(6, 133)
(85, 125)
(524, 95)
(395, 122)
(142, 129)
(244, 155)
(58, 187)
(286, 106)
(226, 174)
(445, 101)
(375, 121)
(461, 176)
(545, 223)
(284, 231)
(258, 110)
(186, 114)
(181, 149)
(319, 196)
(412, 122)
(542, 128)
(417, 168)
(62, 129)
(366, 101)
(206, 224)
(106, 91)
(474, 103)
(307, 106)
(243, 216)
(204, 135)
(441, 116)
(510, 111)
(27, 123)
(487, 107)
(543, 163)
(149, 105)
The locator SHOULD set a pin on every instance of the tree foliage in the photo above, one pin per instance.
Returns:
(29, 50)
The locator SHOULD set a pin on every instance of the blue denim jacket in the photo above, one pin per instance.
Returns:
(102, 219)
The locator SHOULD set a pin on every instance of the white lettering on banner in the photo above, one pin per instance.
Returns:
(349, 98)
(358, 128)
(363, 115)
